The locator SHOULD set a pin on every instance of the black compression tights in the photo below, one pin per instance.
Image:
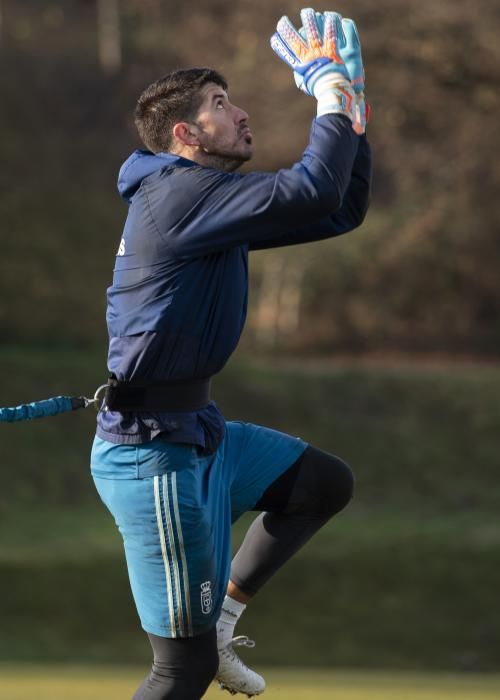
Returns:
(182, 668)
(296, 505)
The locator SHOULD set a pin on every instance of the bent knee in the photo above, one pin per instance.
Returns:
(325, 485)
(341, 485)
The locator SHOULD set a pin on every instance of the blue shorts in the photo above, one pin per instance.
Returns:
(174, 510)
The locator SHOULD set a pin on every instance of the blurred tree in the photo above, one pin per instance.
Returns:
(420, 274)
(109, 35)
(276, 313)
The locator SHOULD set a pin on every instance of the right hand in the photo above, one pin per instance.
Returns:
(351, 54)
(316, 57)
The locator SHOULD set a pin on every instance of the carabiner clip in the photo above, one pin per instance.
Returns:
(95, 401)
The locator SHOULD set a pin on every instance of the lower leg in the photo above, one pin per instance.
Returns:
(233, 607)
(298, 504)
(182, 668)
(237, 594)
(233, 674)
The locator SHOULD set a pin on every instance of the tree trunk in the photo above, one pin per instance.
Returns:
(278, 306)
(290, 299)
(267, 312)
(109, 35)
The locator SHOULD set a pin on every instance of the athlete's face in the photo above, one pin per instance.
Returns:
(223, 131)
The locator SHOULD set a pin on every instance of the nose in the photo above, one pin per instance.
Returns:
(240, 115)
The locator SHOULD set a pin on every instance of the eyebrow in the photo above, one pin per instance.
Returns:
(219, 95)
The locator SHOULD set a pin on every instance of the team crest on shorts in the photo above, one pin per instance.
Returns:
(206, 597)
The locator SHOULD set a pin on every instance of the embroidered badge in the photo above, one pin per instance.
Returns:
(206, 597)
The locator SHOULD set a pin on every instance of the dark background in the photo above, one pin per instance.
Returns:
(421, 275)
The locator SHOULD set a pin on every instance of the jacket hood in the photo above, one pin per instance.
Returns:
(138, 166)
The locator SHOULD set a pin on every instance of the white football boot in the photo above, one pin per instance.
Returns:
(233, 674)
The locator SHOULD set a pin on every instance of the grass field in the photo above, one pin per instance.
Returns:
(89, 683)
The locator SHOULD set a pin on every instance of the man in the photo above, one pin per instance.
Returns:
(172, 471)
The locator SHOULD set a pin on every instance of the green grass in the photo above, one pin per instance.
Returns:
(91, 683)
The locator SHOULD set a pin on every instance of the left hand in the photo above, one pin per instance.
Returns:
(314, 51)
(349, 50)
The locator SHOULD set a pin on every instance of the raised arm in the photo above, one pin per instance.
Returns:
(252, 209)
(357, 196)
(218, 210)
(348, 217)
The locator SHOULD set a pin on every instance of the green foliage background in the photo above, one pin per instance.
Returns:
(407, 577)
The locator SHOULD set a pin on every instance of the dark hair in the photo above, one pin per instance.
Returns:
(173, 98)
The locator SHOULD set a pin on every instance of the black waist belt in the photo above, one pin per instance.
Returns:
(158, 396)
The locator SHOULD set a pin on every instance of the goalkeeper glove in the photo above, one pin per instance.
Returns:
(350, 53)
(316, 57)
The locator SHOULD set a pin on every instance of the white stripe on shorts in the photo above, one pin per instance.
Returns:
(173, 551)
(166, 563)
(185, 573)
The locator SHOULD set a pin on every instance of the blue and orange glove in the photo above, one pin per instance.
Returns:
(348, 50)
(350, 53)
(315, 56)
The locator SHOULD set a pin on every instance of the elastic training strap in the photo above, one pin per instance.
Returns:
(41, 409)
(49, 407)
(121, 396)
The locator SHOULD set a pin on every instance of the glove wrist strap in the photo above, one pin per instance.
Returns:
(334, 95)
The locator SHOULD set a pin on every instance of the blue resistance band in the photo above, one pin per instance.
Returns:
(47, 407)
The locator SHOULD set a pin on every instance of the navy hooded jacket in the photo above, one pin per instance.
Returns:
(178, 301)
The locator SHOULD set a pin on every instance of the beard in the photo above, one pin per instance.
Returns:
(225, 157)
(227, 163)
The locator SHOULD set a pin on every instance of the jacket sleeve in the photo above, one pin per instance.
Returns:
(200, 210)
(348, 217)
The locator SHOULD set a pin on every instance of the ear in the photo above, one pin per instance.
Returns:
(186, 134)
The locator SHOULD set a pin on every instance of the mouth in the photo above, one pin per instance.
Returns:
(246, 135)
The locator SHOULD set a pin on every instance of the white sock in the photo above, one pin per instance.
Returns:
(229, 616)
